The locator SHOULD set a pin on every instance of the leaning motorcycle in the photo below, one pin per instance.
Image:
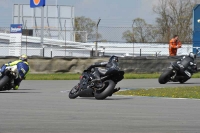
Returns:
(7, 78)
(173, 74)
(101, 90)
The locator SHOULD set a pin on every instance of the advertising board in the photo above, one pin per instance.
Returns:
(15, 39)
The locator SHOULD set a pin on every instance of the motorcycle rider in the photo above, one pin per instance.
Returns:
(22, 67)
(187, 65)
(110, 67)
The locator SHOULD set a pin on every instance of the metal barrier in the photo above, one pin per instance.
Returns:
(112, 45)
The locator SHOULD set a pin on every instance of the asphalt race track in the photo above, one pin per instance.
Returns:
(44, 107)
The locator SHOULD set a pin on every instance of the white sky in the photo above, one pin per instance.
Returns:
(112, 12)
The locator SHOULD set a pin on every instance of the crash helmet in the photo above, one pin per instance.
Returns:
(113, 59)
(192, 55)
(23, 57)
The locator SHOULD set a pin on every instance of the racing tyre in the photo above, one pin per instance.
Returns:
(74, 93)
(106, 90)
(3, 82)
(165, 77)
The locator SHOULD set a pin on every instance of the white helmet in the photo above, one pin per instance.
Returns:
(192, 55)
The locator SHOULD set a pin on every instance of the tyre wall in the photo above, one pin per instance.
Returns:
(77, 65)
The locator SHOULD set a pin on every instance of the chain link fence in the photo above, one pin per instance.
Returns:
(121, 41)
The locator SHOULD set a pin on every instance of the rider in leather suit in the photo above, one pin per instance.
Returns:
(110, 67)
(187, 65)
(23, 69)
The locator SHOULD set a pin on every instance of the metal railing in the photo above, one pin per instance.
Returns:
(110, 42)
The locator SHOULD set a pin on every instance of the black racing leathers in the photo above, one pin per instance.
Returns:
(187, 66)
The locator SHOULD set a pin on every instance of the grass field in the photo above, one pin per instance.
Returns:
(70, 76)
(175, 92)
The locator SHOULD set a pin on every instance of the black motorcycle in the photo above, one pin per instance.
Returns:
(173, 74)
(7, 78)
(101, 89)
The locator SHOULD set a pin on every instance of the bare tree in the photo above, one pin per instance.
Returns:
(141, 32)
(128, 36)
(85, 29)
(174, 17)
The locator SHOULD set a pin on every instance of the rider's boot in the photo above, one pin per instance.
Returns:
(17, 84)
(16, 87)
(97, 80)
(116, 89)
(96, 76)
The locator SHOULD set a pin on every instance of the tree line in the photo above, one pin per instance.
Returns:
(174, 17)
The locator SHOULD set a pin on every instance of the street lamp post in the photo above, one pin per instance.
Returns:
(133, 36)
(65, 38)
(96, 45)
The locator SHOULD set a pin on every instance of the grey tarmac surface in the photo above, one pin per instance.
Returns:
(44, 107)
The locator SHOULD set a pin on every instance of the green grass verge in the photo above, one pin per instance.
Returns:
(175, 92)
(141, 75)
(149, 75)
(67, 76)
(71, 76)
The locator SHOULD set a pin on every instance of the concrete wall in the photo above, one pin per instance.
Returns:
(77, 65)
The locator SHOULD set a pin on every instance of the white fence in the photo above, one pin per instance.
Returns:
(52, 47)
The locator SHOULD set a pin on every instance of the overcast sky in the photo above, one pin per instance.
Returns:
(112, 12)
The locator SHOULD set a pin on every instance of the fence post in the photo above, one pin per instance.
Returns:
(133, 39)
(51, 53)
(65, 38)
(43, 51)
(26, 35)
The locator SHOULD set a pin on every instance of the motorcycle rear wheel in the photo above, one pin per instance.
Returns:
(74, 93)
(106, 91)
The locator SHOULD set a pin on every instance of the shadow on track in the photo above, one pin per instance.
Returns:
(109, 98)
(27, 89)
(181, 83)
(17, 92)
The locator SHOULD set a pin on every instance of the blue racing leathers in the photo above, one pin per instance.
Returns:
(22, 67)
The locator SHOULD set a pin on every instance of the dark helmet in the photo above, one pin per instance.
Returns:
(192, 55)
(23, 57)
(113, 59)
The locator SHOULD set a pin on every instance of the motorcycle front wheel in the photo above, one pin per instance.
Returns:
(165, 77)
(74, 93)
(105, 91)
(3, 82)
